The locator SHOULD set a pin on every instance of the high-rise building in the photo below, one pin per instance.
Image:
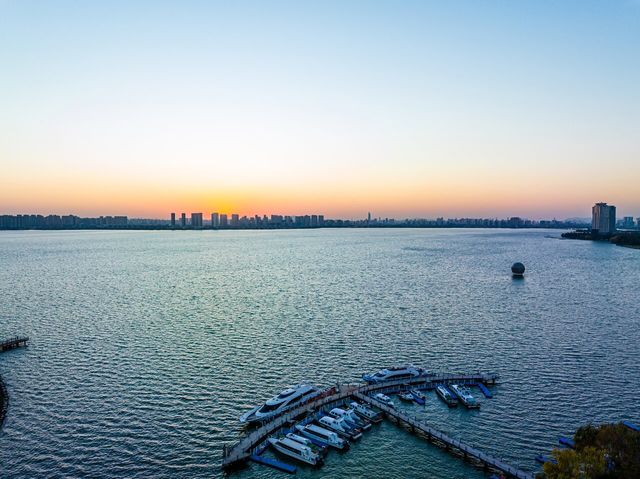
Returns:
(183, 220)
(235, 220)
(223, 221)
(603, 219)
(173, 220)
(320, 220)
(196, 220)
(627, 222)
(215, 220)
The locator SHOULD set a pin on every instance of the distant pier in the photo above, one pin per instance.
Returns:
(12, 343)
(239, 453)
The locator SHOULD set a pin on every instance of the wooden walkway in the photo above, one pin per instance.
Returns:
(13, 343)
(444, 440)
(241, 451)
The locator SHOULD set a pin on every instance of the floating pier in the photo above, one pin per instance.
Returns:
(12, 343)
(631, 425)
(484, 390)
(249, 446)
(565, 441)
(442, 439)
(267, 461)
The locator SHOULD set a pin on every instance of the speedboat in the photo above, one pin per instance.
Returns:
(316, 446)
(386, 400)
(289, 397)
(351, 417)
(406, 397)
(446, 395)
(391, 374)
(465, 396)
(322, 435)
(340, 426)
(365, 413)
(294, 449)
(418, 396)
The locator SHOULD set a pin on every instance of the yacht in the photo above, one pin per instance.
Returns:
(322, 435)
(351, 417)
(446, 395)
(395, 373)
(418, 396)
(289, 397)
(296, 450)
(365, 413)
(340, 426)
(316, 446)
(465, 396)
(386, 400)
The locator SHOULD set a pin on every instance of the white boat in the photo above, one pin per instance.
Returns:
(386, 400)
(406, 397)
(295, 450)
(314, 446)
(351, 417)
(286, 399)
(340, 426)
(366, 413)
(322, 435)
(446, 395)
(465, 396)
(392, 374)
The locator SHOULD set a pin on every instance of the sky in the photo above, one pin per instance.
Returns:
(398, 108)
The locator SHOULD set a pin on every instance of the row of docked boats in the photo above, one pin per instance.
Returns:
(311, 441)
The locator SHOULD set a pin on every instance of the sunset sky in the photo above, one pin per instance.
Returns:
(404, 109)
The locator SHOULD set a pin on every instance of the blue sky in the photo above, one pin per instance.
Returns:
(402, 108)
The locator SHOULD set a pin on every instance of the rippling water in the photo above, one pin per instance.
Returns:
(147, 346)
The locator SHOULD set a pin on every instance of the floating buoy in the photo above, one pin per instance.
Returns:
(517, 269)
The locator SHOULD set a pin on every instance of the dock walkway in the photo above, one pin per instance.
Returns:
(13, 343)
(443, 439)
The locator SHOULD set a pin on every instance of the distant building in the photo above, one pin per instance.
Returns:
(183, 220)
(603, 219)
(320, 220)
(215, 220)
(627, 222)
(223, 221)
(235, 220)
(173, 220)
(196, 220)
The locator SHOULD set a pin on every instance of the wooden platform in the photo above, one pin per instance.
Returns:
(12, 343)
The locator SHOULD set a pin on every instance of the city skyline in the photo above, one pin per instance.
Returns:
(413, 110)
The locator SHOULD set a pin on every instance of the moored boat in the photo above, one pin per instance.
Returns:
(465, 396)
(276, 405)
(365, 413)
(316, 447)
(418, 396)
(351, 417)
(408, 397)
(322, 435)
(295, 450)
(446, 395)
(384, 399)
(340, 426)
(407, 371)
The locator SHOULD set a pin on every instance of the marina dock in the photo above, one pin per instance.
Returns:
(443, 440)
(242, 451)
(12, 343)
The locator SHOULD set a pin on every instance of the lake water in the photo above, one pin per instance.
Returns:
(147, 346)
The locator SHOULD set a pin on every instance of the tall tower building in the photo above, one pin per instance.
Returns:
(183, 220)
(173, 220)
(215, 220)
(603, 219)
(235, 220)
(223, 221)
(196, 220)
